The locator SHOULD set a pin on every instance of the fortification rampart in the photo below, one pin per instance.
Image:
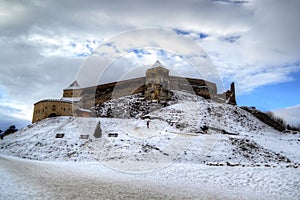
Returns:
(105, 92)
(102, 93)
(156, 85)
(51, 108)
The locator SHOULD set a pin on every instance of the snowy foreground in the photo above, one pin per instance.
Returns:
(238, 157)
(23, 179)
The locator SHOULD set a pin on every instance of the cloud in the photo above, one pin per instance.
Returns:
(24, 83)
(145, 45)
(8, 121)
(10, 115)
(291, 114)
(44, 43)
(234, 2)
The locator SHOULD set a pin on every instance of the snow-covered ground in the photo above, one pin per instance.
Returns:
(23, 179)
(238, 157)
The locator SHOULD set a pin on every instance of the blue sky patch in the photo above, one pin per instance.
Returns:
(273, 96)
(89, 48)
(162, 53)
(82, 55)
(139, 52)
(203, 35)
(232, 38)
(181, 32)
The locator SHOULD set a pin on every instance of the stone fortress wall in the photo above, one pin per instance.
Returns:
(51, 108)
(156, 85)
(99, 94)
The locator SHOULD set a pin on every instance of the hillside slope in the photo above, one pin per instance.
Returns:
(177, 133)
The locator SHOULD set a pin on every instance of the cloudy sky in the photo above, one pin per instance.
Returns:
(46, 44)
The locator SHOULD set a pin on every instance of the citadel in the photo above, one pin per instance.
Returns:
(156, 85)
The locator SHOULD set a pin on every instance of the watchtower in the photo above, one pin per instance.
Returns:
(157, 82)
(73, 91)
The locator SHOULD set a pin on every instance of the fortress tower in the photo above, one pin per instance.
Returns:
(157, 82)
(58, 107)
(73, 91)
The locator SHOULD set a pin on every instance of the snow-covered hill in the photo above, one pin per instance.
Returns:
(177, 133)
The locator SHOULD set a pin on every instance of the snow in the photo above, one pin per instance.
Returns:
(85, 110)
(72, 99)
(24, 179)
(172, 159)
(58, 100)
